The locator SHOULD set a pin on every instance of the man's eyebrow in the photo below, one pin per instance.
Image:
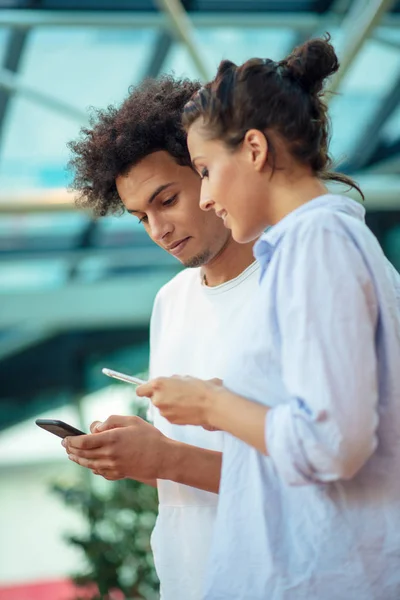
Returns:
(154, 195)
(160, 189)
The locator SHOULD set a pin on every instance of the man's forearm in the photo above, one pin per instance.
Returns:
(192, 466)
(150, 482)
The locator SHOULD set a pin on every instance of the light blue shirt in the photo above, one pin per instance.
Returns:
(319, 518)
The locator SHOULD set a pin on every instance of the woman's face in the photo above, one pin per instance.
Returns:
(233, 183)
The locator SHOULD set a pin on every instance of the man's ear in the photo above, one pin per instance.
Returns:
(256, 147)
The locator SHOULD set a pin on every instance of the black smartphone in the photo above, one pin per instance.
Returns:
(58, 427)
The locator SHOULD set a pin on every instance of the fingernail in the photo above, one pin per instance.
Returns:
(71, 457)
(64, 443)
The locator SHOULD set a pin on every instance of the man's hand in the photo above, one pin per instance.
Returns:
(120, 447)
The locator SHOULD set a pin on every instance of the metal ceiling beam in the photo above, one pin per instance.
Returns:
(133, 257)
(121, 301)
(381, 191)
(340, 7)
(24, 338)
(38, 200)
(336, 12)
(25, 19)
(161, 49)
(15, 47)
(11, 83)
(385, 153)
(387, 166)
(357, 26)
(59, 200)
(182, 29)
(368, 143)
(379, 37)
(84, 243)
(159, 53)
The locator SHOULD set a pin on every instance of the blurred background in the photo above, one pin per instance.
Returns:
(76, 293)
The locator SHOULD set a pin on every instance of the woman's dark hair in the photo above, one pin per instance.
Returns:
(149, 120)
(283, 99)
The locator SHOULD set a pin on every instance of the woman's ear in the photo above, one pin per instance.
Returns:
(256, 147)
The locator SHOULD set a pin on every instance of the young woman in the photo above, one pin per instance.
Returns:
(309, 503)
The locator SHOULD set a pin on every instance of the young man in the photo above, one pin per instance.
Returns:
(136, 158)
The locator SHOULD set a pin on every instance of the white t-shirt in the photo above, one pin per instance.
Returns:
(192, 328)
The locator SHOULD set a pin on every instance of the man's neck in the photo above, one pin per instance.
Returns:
(233, 259)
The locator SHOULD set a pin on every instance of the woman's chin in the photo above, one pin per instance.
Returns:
(241, 236)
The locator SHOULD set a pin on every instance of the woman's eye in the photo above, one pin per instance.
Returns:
(170, 200)
(204, 172)
(143, 219)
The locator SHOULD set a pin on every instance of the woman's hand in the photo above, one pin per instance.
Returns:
(190, 401)
(183, 400)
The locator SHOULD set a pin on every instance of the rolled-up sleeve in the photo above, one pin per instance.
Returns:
(327, 322)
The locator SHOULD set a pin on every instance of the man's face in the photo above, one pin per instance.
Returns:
(164, 196)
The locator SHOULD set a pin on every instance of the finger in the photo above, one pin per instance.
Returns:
(94, 465)
(216, 381)
(111, 475)
(85, 442)
(114, 422)
(161, 404)
(176, 418)
(170, 416)
(95, 454)
(145, 390)
(94, 426)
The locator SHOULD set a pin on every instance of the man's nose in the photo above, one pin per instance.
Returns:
(159, 229)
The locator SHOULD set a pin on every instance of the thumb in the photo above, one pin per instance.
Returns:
(210, 428)
(113, 422)
(145, 390)
(215, 381)
(94, 428)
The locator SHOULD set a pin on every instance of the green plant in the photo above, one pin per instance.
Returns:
(116, 544)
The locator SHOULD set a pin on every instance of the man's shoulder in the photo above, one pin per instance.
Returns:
(181, 284)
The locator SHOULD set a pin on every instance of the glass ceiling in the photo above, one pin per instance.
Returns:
(81, 67)
(84, 68)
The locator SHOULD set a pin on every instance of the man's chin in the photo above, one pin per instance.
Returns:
(197, 261)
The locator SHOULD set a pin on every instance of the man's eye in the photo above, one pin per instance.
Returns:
(170, 200)
(204, 172)
(143, 219)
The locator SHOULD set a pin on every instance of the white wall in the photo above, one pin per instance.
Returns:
(33, 521)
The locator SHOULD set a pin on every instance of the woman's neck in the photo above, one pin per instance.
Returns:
(233, 259)
(289, 194)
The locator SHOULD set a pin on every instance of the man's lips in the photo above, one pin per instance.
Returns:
(176, 247)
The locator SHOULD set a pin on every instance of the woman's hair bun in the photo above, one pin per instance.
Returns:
(224, 67)
(311, 63)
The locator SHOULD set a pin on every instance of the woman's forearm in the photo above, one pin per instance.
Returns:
(238, 416)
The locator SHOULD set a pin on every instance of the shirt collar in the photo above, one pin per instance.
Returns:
(266, 244)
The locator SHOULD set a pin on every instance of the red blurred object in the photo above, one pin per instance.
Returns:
(61, 589)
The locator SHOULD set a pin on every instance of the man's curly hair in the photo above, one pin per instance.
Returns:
(149, 120)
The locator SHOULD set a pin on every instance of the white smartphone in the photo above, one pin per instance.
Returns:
(123, 377)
